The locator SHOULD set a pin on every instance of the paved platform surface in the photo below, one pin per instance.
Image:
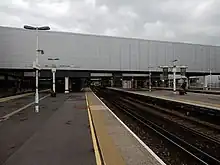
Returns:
(199, 99)
(21, 126)
(118, 146)
(61, 135)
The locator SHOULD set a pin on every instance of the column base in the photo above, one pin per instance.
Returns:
(67, 92)
(37, 108)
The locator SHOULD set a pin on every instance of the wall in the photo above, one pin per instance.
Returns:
(87, 52)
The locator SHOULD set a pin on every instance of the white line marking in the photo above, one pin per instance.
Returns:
(6, 117)
(135, 136)
(4, 99)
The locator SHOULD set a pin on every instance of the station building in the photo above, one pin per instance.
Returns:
(111, 61)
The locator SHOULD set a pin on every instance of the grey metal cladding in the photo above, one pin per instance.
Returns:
(91, 52)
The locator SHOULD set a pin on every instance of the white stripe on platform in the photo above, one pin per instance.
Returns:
(20, 109)
(4, 99)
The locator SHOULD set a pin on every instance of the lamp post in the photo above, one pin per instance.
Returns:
(174, 75)
(36, 63)
(210, 72)
(150, 86)
(53, 69)
(210, 80)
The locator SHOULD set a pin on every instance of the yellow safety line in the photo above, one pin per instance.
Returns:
(95, 144)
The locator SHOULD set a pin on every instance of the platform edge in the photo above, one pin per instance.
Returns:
(94, 140)
(134, 135)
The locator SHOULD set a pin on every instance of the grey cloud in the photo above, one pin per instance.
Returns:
(194, 21)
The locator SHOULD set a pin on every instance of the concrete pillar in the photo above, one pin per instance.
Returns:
(188, 83)
(112, 83)
(205, 83)
(129, 84)
(54, 85)
(174, 79)
(54, 79)
(66, 84)
(132, 83)
(135, 84)
(150, 82)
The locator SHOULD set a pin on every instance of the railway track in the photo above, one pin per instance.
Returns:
(206, 115)
(198, 146)
(208, 131)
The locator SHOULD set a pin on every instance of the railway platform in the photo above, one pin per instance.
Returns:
(116, 142)
(64, 138)
(210, 101)
(74, 128)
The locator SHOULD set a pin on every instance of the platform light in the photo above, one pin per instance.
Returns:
(41, 28)
(150, 86)
(36, 28)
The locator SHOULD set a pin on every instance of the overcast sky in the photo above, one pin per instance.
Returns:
(194, 21)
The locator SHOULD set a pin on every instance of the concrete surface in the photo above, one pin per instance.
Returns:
(59, 134)
(128, 149)
(109, 151)
(14, 104)
(131, 150)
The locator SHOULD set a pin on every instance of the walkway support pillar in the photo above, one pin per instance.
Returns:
(66, 84)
